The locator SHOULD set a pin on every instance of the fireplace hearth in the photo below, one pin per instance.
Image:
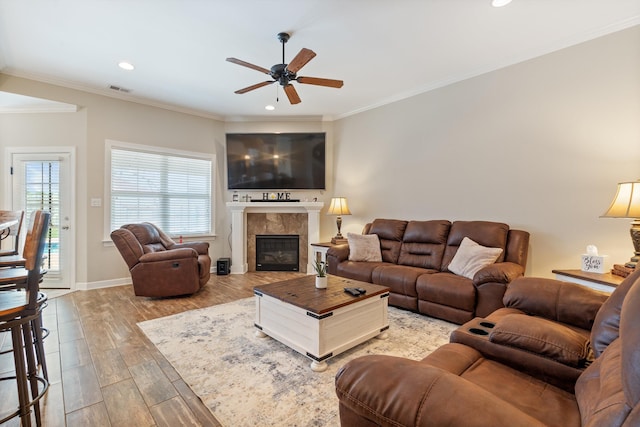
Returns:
(276, 252)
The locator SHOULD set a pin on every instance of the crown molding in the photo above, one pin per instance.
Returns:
(521, 57)
(525, 56)
(111, 94)
(45, 108)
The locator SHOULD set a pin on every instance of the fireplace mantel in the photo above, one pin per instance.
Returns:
(239, 212)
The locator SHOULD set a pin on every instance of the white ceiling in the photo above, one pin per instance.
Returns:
(383, 50)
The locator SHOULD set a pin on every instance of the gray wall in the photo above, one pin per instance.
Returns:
(539, 145)
(100, 118)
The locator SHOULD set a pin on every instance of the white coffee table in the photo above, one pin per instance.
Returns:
(321, 323)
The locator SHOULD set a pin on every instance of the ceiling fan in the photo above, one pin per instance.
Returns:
(286, 73)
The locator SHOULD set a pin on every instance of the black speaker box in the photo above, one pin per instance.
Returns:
(222, 266)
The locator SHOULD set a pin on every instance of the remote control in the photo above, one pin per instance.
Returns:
(353, 291)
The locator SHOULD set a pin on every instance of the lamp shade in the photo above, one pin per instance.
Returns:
(338, 206)
(626, 203)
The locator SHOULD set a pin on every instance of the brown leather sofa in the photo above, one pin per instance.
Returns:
(159, 266)
(457, 386)
(545, 328)
(415, 257)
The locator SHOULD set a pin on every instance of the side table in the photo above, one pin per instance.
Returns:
(605, 282)
(319, 250)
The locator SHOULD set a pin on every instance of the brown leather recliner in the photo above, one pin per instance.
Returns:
(544, 328)
(456, 386)
(159, 266)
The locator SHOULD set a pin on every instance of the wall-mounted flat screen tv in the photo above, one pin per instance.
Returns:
(276, 161)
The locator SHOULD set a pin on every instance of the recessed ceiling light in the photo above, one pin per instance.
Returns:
(125, 66)
(500, 3)
(270, 107)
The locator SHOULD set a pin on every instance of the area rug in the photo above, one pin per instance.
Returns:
(249, 381)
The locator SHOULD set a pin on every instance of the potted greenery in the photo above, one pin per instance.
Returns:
(321, 274)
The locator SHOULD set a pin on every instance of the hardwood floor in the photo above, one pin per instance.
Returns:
(102, 368)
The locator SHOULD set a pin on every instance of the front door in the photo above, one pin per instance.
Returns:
(43, 181)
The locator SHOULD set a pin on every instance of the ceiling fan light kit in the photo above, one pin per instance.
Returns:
(284, 73)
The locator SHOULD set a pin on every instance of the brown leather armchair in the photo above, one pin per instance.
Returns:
(544, 328)
(159, 266)
(457, 386)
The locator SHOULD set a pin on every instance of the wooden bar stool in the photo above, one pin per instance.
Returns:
(14, 275)
(20, 309)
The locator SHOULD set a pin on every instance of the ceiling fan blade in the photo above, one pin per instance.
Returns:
(305, 55)
(255, 86)
(320, 82)
(248, 65)
(292, 94)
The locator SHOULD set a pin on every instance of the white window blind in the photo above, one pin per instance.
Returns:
(170, 190)
(42, 192)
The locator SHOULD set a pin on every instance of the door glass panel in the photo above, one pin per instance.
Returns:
(42, 192)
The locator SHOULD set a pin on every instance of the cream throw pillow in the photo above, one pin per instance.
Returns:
(364, 247)
(472, 257)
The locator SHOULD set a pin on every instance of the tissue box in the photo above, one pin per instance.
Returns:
(595, 263)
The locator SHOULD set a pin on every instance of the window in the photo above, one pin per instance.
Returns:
(170, 188)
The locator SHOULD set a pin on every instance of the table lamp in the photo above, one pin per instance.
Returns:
(338, 207)
(626, 204)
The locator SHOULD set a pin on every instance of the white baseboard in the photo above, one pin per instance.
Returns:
(87, 286)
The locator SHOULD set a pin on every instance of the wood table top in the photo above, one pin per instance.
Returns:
(601, 278)
(302, 292)
(5, 225)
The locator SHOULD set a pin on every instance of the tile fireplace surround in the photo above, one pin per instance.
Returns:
(239, 223)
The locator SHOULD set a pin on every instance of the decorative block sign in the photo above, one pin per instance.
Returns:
(594, 263)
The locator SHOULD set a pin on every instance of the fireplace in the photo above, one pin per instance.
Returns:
(276, 252)
(251, 219)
